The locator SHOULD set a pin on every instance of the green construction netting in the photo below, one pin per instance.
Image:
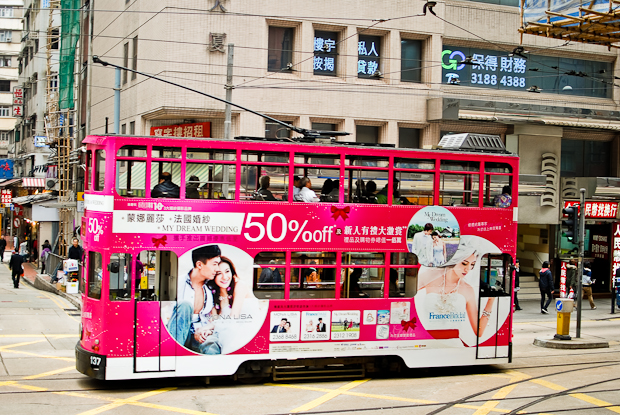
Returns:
(70, 32)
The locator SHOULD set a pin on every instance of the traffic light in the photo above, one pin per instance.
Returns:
(571, 223)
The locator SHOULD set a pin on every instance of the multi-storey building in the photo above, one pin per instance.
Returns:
(387, 73)
(10, 35)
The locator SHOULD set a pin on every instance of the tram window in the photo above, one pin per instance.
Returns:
(317, 159)
(131, 151)
(269, 275)
(131, 178)
(88, 162)
(363, 258)
(495, 275)
(497, 167)
(209, 181)
(458, 189)
(120, 273)
(166, 152)
(95, 274)
(99, 170)
(254, 185)
(159, 185)
(324, 182)
(495, 186)
(407, 276)
(403, 282)
(159, 276)
(264, 157)
(460, 165)
(210, 154)
(313, 275)
(363, 186)
(416, 188)
(364, 282)
(367, 161)
(405, 163)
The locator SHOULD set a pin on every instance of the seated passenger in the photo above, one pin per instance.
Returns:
(504, 200)
(263, 192)
(311, 276)
(370, 196)
(191, 188)
(332, 196)
(327, 187)
(306, 194)
(360, 191)
(382, 196)
(166, 188)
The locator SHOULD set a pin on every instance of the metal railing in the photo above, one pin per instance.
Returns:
(51, 263)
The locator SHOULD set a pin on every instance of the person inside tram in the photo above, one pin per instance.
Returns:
(311, 276)
(306, 194)
(191, 188)
(505, 199)
(382, 196)
(263, 193)
(394, 289)
(360, 190)
(328, 185)
(165, 187)
(370, 196)
(355, 291)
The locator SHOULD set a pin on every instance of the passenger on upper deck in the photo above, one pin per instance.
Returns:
(370, 196)
(263, 193)
(504, 200)
(306, 194)
(191, 188)
(166, 188)
(382, 196)
(296, 181)
(332, 195)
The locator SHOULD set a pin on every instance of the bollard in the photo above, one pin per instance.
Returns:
(564, 306)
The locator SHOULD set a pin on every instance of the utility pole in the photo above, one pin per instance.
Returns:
(229, 88)
(582, 232)
(117, 101)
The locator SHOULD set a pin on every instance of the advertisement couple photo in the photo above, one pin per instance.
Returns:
(216, 311)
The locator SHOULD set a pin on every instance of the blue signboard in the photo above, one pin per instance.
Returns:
(6, 169)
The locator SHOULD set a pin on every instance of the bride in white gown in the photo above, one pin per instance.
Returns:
(446, 301)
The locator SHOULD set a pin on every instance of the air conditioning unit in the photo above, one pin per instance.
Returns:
(52, 184)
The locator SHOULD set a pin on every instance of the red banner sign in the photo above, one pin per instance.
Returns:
(7, 196)
(199, 129)
(597, 210)
(616, 246)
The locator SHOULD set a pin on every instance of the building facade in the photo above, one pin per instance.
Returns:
(386, 73)
(10, 36)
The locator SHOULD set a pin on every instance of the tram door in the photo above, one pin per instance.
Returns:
(494, 305)
(154, 349)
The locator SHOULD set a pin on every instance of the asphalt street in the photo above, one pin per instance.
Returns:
(39, 330)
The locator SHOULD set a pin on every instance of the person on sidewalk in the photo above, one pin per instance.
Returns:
(17, 269)
(15, 242)
(2, 248)
(545, 284)
(571, 277)
(23, 249)
(517, 287)
(76, 252)
(586, 284)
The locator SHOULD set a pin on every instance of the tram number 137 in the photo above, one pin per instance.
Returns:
(277, 227)
(95, 361)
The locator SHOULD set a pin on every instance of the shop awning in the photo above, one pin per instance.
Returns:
(33, 182)
(31, 199)
(9, 182)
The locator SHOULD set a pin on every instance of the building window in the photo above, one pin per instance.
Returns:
(132, 128)
(5, 86)
(124, 129)
(4, 135)
(6, 12)
(5, 111)
(408, 137)
(54, 39)
(585, 158)
(275, 130)
(368, 56)
(367, 134)
(410, 60)
(125, 61)
(325, 53)
(6, 36)
(5, 61)
(53, 83)
(322, 126)
(134, 62)
(280, 49)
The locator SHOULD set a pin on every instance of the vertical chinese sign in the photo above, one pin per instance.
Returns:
(18, 101)
(368, 56)
(616, 246)
(198, 130)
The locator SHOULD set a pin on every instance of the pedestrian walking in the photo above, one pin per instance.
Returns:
(17, 269)
(586, 284)
(2, 248)
(517, 286)
(545, 284)
(571, 277)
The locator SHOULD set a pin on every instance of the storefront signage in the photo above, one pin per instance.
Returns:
(18, 95)
(7, 196)
(40, 141)
(6, 169)
(599, 247)
(325, 53)
(563, 292)
(199, 129)
(368, 56)
(616, 246)
(597, 210)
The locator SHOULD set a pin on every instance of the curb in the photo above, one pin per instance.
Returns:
(40, 284)
(570, 344)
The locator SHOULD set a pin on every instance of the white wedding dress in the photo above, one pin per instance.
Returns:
(436, 314)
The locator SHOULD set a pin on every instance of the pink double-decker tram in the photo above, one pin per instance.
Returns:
(248, 257)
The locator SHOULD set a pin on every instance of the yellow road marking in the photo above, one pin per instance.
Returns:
(30, 387)
(25, 336)
(60, 302)
(121, 402)
(50, 373)
(169, 408)
(3, 348)
(580, 396)
(328, 396)
(66, 359)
